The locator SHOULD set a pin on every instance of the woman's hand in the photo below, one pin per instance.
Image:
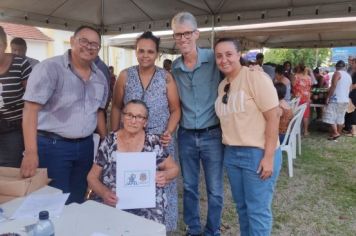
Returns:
(167, 171)
(166, 138)
(265, 168)
(110, 198)
(161, 178)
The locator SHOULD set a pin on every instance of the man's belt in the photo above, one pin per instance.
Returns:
(202, 130)
(55, 136)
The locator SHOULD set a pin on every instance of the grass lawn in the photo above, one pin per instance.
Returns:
(319, 200)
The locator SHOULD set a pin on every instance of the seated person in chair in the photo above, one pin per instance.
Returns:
(131, 138)
(285, 111)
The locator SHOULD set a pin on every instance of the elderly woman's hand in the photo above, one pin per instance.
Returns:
(110, 198)
(161, 178)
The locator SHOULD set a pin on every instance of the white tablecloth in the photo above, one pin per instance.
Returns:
(86, 219)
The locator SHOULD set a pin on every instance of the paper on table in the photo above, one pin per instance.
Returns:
(98, 234)
(2, 217)
(135, 180)
(34, 203)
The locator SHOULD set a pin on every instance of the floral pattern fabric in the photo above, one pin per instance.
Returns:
(284, 120)
(106, 159)
(155, 96)
(302, 88)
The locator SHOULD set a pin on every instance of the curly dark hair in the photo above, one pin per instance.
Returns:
(149, 35)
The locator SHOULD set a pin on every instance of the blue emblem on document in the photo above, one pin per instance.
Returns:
(137, 178)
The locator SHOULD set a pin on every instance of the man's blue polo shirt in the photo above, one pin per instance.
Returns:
(198, 90)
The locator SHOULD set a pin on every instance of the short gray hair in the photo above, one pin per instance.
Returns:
(183, 18)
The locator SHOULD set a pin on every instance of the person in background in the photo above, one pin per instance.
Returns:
(132, 138)
(199, 133)
(350, 117)
(317, 96)
(19, 48)
(247, 106)
(288, 70)
(337, 100)
(105, 70)
(112, 85)
(259, 59)
(311, 75)
(64, 103)
(112, 80)
(280, 78)
(301, 87)
(268, 68)
(257, 65)
(14, 72)
(167, 65)
(327, 80)
(349, 64)
(285, 111)
(319, 78)
(156, 87)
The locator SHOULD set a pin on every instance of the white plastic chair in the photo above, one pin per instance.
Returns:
(299, 129)
(294, 103)
(289, 143)
(96, 139)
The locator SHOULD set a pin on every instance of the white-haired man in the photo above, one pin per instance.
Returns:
(199, 134)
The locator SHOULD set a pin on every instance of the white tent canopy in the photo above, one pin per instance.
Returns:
(330, 32)
(126, 16)
(291, 34)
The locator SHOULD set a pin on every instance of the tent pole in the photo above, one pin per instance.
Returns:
(102, 29)
(212, 34)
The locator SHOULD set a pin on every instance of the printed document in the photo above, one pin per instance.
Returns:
(135, 180)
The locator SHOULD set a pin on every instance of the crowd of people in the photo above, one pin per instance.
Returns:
(336, 94)
(228, 115)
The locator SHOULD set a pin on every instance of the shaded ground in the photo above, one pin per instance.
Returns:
(319, 200)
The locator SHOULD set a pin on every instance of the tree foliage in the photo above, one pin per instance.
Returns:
(311, 57)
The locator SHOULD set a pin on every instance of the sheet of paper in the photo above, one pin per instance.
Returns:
(2, 217)
(98, 234)
(34, 203)
(135, 180)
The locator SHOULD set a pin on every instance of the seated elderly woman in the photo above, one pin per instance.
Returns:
(131, 138)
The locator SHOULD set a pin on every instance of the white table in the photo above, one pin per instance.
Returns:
(85, 219)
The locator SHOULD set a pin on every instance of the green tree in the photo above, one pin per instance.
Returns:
(311, 57)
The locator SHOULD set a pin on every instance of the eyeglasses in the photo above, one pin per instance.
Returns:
(186, 34)
(138, 118)
(91, 45)
(225, 98)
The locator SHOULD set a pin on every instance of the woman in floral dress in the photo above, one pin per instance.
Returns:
(132, 138)
(156, 87)
(301, 84)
